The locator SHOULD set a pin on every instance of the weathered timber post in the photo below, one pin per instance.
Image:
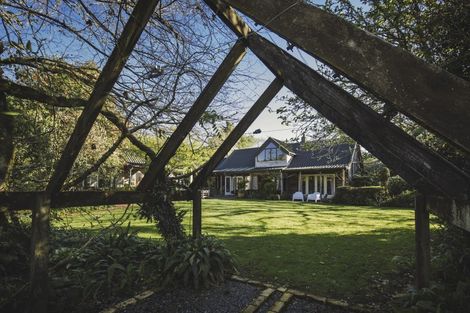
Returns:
(197, 213)
(39, 278)
(422, 239)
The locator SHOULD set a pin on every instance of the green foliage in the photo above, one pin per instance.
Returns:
(86, 273)
(203, 261)
(112, 266)
(161, 210)
(405, 199)
(361, 180)
(383, 176)
(268, 188)
(41, 131)
(397, 185)
(450, 290)
(14, 249)
(371, 195)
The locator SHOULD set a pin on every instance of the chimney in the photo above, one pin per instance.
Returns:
(302, 141)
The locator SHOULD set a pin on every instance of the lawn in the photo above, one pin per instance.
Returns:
(332, 250)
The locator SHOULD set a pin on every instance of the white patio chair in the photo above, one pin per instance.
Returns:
(298, 196)
(314, 197)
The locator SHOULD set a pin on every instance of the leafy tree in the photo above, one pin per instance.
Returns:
(434, 30)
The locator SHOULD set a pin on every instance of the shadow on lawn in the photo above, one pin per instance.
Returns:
(357, 267)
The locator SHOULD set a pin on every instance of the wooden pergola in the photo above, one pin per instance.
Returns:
(432, 97)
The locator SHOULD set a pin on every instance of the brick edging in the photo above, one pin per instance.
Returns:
(330, 301)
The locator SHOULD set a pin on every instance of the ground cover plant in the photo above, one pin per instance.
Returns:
(91, 268)
(335, 250)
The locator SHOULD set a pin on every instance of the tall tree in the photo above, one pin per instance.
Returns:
(436, 31)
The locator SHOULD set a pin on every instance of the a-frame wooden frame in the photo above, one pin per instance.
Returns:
(426, 170)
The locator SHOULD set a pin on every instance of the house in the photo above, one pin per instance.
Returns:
(133, 167)
(289, 168)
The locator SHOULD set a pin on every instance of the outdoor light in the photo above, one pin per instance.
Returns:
(155, 72)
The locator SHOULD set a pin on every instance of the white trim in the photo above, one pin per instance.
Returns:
(229, 191)
(320, 181)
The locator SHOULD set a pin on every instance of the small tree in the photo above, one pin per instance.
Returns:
(384, 176)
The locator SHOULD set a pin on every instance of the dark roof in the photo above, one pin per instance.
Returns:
(133, 159)
(238, 161)
(335, 156)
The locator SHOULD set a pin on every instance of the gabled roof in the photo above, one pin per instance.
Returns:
(240, 160)
(133, 159)
(281, 144)
(335, 156)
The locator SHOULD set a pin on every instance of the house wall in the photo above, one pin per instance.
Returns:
(292, 179)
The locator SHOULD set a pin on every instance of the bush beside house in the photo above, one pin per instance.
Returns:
(405, 199)
(396, 192)
(369, 195)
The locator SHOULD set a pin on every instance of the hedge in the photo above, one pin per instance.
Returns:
(370, 195)
(361, 181)
(404, 200)
(397, 185)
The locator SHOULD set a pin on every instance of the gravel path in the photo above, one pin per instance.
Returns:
(231, 297)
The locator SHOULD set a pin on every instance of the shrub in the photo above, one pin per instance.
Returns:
(397, 185)
(268, 189)
(450, 288)
(86, 273)
(111, 266)
(200, 262)
(403, 200)
(383, 176)
(372, 195)
(361, 181)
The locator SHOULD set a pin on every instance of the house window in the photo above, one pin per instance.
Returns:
(271, 154)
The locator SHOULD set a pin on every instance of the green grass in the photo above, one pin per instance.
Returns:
(334, 250)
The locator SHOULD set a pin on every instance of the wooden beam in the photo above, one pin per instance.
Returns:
(420, 166)
(108, 76)
(456, 212)
(422, 239)
(433, 97)
(237, 132)
(157, 165)
(197, 213)
(39, 277)
(25, 200)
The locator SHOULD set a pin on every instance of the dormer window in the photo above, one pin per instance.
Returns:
(271, 154)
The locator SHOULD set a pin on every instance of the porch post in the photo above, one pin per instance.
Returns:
(344, 178)
(333, 185)
(316, 182)
(325, 190)
(281, 182)
(306, 185)
(300, 182)
(197, 216)
(39, 275)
